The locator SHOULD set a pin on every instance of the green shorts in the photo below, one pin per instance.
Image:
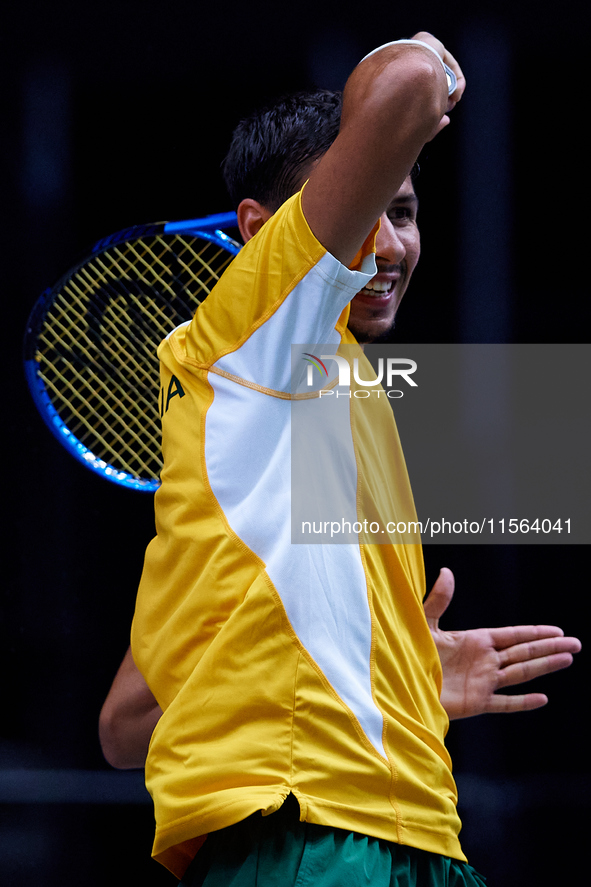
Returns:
(280, 851)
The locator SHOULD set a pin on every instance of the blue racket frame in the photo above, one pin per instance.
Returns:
(210, 228)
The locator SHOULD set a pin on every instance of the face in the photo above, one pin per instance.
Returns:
(397, 252)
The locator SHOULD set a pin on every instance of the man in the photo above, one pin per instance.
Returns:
(302, 681)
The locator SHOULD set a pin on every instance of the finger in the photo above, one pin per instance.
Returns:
(445, 121)
(449, 60)
(452, 63)
(521, 672)
(440, 596)
(427, 37)
(536, 649)
(500, 703)
(512, 635)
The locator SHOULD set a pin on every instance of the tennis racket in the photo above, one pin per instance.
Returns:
(90, 343)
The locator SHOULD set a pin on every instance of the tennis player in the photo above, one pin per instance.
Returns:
(299, 695)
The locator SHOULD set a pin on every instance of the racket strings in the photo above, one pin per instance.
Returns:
(103, 431)
(96, 350)
(110, 351)
(153, 267)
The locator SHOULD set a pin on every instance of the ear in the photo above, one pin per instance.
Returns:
(252, 215)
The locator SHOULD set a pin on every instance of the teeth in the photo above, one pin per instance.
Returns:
(377, 287)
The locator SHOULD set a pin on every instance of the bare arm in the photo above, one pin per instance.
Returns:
(128, 717)
(394, 102)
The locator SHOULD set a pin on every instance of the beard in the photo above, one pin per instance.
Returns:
(365, 336)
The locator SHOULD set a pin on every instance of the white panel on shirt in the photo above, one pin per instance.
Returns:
(322, 587)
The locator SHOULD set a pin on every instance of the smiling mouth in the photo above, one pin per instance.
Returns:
(376, 289)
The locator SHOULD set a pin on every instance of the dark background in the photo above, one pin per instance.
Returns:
(117, 113)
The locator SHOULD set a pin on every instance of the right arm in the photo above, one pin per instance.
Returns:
(394, 102)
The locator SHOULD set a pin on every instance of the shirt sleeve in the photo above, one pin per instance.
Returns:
(283, 289)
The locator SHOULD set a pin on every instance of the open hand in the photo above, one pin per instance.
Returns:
(478, 662)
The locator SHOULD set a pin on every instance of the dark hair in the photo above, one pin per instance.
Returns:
(272, 150)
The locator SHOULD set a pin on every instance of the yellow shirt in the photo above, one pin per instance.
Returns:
(282, 668)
